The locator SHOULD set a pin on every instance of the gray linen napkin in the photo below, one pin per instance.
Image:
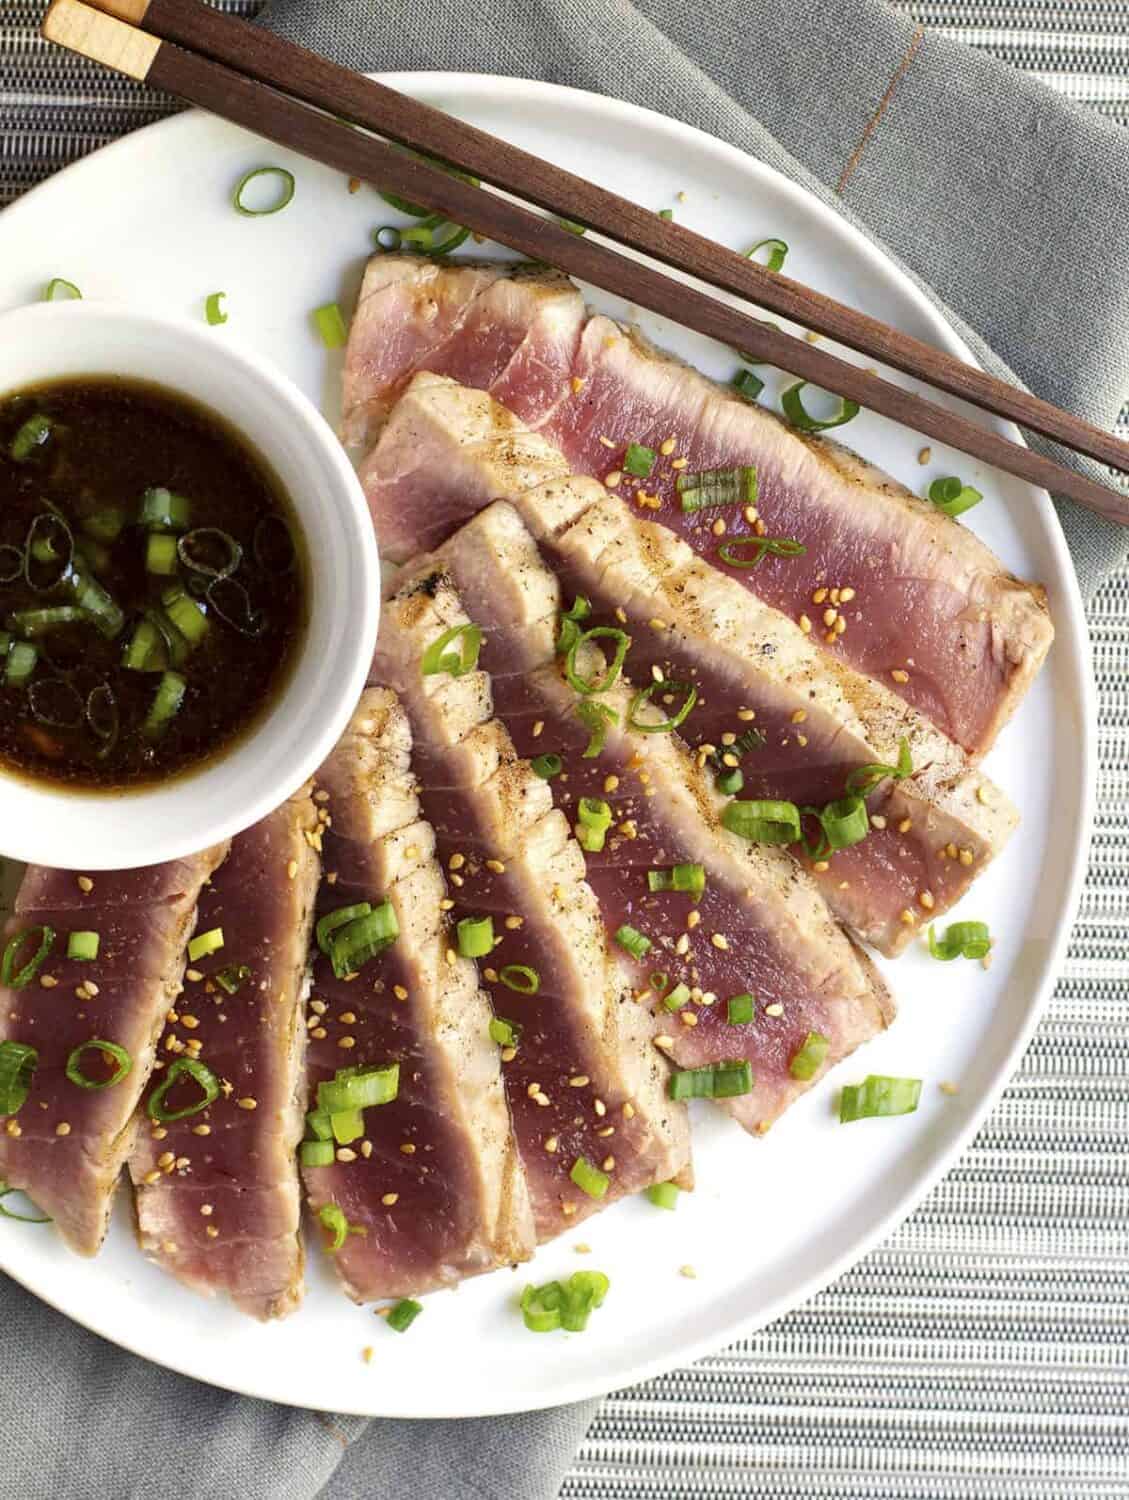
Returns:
(1003, 200)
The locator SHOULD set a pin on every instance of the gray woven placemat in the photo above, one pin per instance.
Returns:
(983, 1352)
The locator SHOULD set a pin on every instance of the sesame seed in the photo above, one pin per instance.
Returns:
(182, 1163)
(775, 1009)
(568, 1209)
(821, 867)
(949, 1088)
(366, 1149)
(982, 796)
(400, 992)
(48, 981)
(613, 479)
(629, 1111)
(689, 1273)
(830, 616)
(692, 919)
(812, 338)
(319, 1033)
(840, 626)
(682, 946)
(166, 1159)
(388, 1199)
(607, 442)
(621, 614)
(495, 866)
(508, 1054)
(149, 1179)
(347, 1018)
(201, 1130)
(345, 1154)
(679, 463)
(924, 455)
(292, 869)
(248, 1103)
(664, 1043)
(206, 1210)
(551, 1144)
(577, 384)
(63, 1129)
(799, 716)
(899, 675)
(666, 447)
(688, 1017)
(805, 624)
(610, 783)
(878, 821)
(578, 1081)
(907, 917)
(718, 527)
(657, 624)
(719, 940)
(608, 1164)
(600, 1107)
(212, 1232)
(347, 1042)
(407, 1148)
(759, 527)
(905, 825)
(846, 595)
(85, 884)
(190, 1023)
(925, 899)
(751, 514)
(819, 596)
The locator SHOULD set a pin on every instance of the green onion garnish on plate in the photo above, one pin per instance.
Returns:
(594, 818)
(792, 404)
(520, 978)
(777, 253)
(205, 943)
(763, 821)
(59, 290)
(404, 1314)
(505, 1033)
(284, 192)
(863, 779)
(638, 460)
(595, 717)
(330, 326)
(688, 878)
(961, 940)
(663, 1194)
(213, 309)
(664, 726)
(739, 1009)
(732, 552)
(590, 685)
(877, 1096)
(569, 623)
(953, 497)
(547, 766)
(746, 384)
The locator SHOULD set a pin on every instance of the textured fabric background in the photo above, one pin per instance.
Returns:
(983, 1352)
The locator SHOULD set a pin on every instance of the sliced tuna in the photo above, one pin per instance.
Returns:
(761, 928)
(434, 1191)
(930, 611)
(587, 1089)
(756, 671)
(217, 1195)
(66, 1146)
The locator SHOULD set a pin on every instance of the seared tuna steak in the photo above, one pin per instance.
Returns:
(433, 1189)
(218, 1202)
(759, 929)
(807, 719)
(587, 1088)
(68, 1142)
(928, 609)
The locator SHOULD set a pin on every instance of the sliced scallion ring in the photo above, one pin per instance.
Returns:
(83, 947)
(184, 1067)
(161, 510)
(475, 936)
(595, 717)
(520, 977)
(763, 821)
(547, 766)
(11, 563)
(209, 550)
(358, 1089)
(792, 404)
(739, 1009)
(283, 195)
(59, 290)
(437, 659)
(777, 253)
(632, 941)
(569, 624)
(272, 545)
(594, 818)
(759, 547)
(404, 1314)
(592, 685)
(952, 497)
(109, 1051)
(746, 384)
(333, 1219)
(317, 1153)
(665, 726)
(961, 940)
(332, 920)
(7, 1213)
(726, 1080)
(103, 717)
(714, 488)
(33, 623)
(232, 978)
(845, 821)
(166, 704)
(664, 1195)
(809, 1057)
(689, 878)
(330, 326)
(213, 309)
(20, 662)
(638, 460)
(505, 1033)
(56, 702)
(588, 1178)
(863, 779)
(354, 943)
(228, 599)
(50, 546)
(877, 1096)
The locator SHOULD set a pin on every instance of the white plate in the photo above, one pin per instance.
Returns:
(148, 222)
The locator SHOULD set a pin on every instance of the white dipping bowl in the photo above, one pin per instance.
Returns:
(81, 829)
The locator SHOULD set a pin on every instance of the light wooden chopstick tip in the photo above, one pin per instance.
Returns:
(102, 38)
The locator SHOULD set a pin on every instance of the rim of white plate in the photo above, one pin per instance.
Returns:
(532, 93)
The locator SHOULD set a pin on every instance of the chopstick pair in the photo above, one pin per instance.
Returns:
(301, 101)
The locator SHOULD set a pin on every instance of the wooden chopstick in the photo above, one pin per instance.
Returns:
(317, 81)
(237, 94)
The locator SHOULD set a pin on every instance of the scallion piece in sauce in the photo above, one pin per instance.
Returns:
(961, 940)
(104, 525)
(809, 1057)
(404, 1314)
(520, 977)
(14, 978)
(594, 818)
(664, 726)
(688, 878)
(877, 1096)
(204, 944)
(161, 510)
(714, 488)
(638, 460)
(663, 1195)
(110, 1052)
(547, 766)
(792, 403)
(726, 1080)
(83, 946)
(200, 1074)
(160, 554)
(30, 438)
(475, 936)
(589, 1179)
(777, 252)
(166, 704)
(284, 192)
(953, 497)
(438, 660)
(632, 941)
(331, 326)
(763, 821)
(739, 1009)
(213, 309)
(33, 623)
(17, 1068)
(20, 662)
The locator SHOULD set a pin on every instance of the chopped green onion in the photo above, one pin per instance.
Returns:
(726, 1080)
(713, 488)
(878, 1096)
(187, 615)
(810, 1057)
(663, 1194)
(659, 981)
(589, 1179)
(19, 979)
(569, 623)
(284, 195)
(572, 226)
(590, 685)
(58, 290)
(331, 326)
(595, 717)
(952, 497)
(329, 924)
(6, 1213)
(437, 659)
(161, 510)
(17, 1068)
(739, 1010)
(677, 997)
(104, 525)
(505, 1033)
(638, 460)
(347, 1126)
(316, 1153)
(845, 822)
(476, 936)
(20, 663)
(201, 1075)
(213, 309)
(30, 438)
(730, 781)
(404, 1314)
(690, 878)
(666, 213)
(88, 594)
(547, 766)
(160, 553)
(423, 238)
(205, 943)
(763, 822)
(792, 402)
(863, 779)
(319, 1125)
(232, 979)
(226, 553)
(359, 1089)
(745, 383)
(777, 250)
(520, 977)
(632, 941)
(37, 622)
(961, 940)
(333, 1219)
(568, 1305)
(143, 649)
(541, 1307)
(353, 944)
(110, 1051)
(83, 946)
(594, 818)
(666, 726)
(761, 547)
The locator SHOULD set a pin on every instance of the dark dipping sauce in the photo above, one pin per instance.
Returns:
(152, 584)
